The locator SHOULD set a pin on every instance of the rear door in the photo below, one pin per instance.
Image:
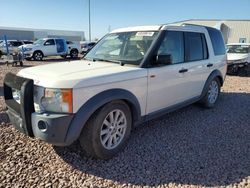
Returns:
(197, 63)
(61, 47)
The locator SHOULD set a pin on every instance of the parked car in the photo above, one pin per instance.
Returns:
(45, 47)
(238, 56)
(86, 47)
(12, 46)
(130, 76)
(74, 48)
(27, 42)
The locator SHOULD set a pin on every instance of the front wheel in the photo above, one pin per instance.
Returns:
(107, 131)
(212, 94)
(38, 56)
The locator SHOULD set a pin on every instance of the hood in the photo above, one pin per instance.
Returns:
(236, 56)
(27, 46)
(77, 74)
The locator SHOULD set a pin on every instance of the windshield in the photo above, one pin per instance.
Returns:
(39, 42)
(238, 49)
(126, 47)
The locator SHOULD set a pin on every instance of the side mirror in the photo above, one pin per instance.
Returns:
(164, 59)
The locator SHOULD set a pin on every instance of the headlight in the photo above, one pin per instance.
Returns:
(27, 49)
(57, 100)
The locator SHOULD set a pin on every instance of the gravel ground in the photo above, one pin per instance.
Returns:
(192, 147)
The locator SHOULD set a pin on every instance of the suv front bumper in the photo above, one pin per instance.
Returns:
(51, 128)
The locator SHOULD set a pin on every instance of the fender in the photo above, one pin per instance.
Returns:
(94, 103)
(214, 74)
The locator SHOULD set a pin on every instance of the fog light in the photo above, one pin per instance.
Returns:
(42, 125)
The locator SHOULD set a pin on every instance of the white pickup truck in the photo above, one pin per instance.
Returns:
(130, 76)
(50, 47)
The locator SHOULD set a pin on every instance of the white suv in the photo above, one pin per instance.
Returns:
(131, 75)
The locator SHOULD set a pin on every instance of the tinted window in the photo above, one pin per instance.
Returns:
(173, 45)
(204, 45)
(69, 42)
(27, 42)
(16, 44)
(49, 42)
(193, 46)
(217, 41)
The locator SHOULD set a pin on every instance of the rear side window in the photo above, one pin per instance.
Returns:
(193, 46)
(69, 42)
(217, 41)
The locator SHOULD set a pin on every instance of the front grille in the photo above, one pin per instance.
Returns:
(19, 110)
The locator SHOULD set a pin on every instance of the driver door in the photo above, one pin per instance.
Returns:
(50, 47)
(166, 83)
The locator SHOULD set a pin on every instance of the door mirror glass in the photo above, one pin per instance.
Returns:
(163, 59)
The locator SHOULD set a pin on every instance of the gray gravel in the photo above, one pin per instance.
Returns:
(192, 147)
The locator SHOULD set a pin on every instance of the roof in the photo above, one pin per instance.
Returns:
(188, 20)
(138, 28)
(159, 27)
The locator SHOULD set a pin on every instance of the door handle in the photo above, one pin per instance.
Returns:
(183, 70)
(210, 65)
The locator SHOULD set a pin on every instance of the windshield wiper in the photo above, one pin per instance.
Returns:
(108, 60)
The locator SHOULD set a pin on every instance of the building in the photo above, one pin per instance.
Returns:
(233, 30)
(34, 34)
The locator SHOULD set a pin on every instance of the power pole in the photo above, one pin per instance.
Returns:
(89, 24)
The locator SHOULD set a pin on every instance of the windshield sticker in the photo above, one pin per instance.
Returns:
(145, 34)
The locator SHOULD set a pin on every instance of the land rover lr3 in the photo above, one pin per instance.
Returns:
(130, 76)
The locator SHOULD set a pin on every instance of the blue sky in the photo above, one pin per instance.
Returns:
(105, 14)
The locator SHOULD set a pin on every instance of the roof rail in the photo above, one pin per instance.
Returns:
(188, 24)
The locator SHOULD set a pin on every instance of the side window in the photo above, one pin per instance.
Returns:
(173, 45)
(17, 43)
(49, 42)
(217, 41)
(204, 45)
(69, 42)
(193, 46)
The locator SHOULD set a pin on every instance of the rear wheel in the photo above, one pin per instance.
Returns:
(38, 56)
(74, 53)
(107, 131)
(212, 94)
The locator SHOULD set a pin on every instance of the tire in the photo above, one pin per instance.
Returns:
(212, 94)
(103, 145)
(38, 56)
(74, 53)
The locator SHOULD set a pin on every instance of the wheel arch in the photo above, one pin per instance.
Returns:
(38, 51)
(96, 102)
(215, 74)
